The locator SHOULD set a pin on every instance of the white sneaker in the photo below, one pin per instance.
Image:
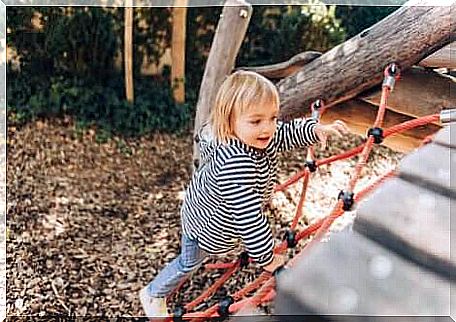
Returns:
(153, 306)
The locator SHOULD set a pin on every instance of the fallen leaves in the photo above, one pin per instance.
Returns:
(88, 224)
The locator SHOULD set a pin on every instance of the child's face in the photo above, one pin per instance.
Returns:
(256, 126)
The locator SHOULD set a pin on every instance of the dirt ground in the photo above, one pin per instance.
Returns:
(90, 223)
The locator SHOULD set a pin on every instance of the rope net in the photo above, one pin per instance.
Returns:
(264, 284)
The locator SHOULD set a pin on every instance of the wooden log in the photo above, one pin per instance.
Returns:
(405, 37)
(228, 38)
(128, 52)
(443, 58)
(178, 50)
(418, 93)
(354, 275)
(284, 69)
(359, 116)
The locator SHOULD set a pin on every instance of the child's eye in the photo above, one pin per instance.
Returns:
(255, 122)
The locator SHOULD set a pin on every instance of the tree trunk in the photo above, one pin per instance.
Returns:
(178, 50)
(404, 37)
(228, 38)
(128, 52)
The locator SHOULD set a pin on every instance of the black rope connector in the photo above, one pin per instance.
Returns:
(224, 306)
(377, 133)
(244, 259)
(290, 237)
(315, 107)
(178, 313)
(317, 104)
(347, 198)
(312, 165)
(392, 70)
(279, 270)
(391, 73)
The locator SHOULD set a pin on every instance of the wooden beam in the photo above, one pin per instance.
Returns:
(405, 37)
(443, 58)
(128, 52)
(178, 50)
(418, 93)
(359, 117)
(227, 41)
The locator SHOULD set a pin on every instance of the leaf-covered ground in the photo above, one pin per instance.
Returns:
(90, 223)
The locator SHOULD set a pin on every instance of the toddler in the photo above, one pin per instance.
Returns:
(224, 200)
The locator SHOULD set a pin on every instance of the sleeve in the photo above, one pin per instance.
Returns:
(236, 183)
(296, 133)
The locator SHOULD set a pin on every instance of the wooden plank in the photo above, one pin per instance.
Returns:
(354, 275)
(412, 221)
(447, 136)
(431, 165)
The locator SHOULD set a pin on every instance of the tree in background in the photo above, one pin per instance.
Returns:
(68, 57)
(355, 19)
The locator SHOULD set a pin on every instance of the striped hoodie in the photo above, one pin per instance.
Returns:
(224, 200)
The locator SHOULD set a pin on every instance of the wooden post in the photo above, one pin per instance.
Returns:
(128, 51)
(228, 38)
(178, 50)
(405, 37)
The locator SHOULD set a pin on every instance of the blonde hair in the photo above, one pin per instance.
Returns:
(237, 94)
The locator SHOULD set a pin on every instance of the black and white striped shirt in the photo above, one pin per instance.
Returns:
(223, 203)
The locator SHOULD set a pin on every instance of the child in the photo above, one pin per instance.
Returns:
(236, 177)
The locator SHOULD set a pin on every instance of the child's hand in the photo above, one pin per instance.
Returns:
(324, 131)
(279, 260)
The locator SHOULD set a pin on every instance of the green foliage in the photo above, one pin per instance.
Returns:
(355, 19)
(103, 106)
(277, 33)
(67, 62)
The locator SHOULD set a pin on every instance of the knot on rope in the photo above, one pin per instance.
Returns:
(347, 198)
(224, 306)
(311, 165)
(244, 259)
(290, 237)
(377, 133)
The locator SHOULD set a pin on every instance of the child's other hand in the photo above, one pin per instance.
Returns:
(279, 260)
(324, 131)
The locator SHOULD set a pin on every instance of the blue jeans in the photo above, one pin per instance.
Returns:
(178, 270)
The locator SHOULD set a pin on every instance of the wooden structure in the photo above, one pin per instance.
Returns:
(397, 261)
(178, 50)
(228, 37)
(128, 52)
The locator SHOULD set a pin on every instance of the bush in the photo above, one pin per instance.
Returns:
(93, 104)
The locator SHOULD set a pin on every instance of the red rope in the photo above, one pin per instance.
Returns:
(320, 228)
